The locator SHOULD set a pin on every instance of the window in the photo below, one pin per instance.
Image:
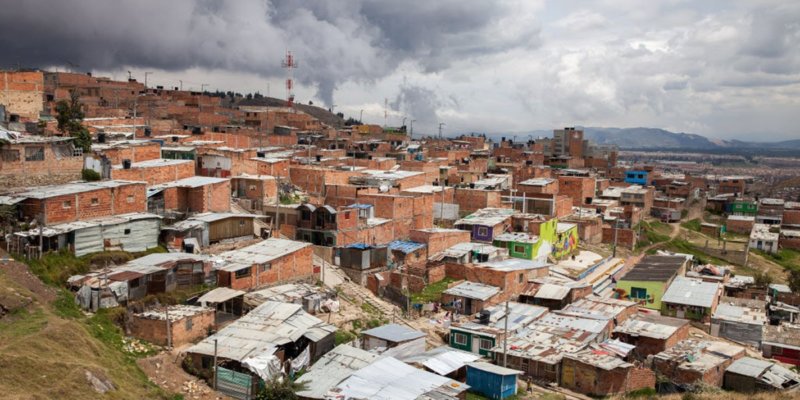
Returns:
(550, 367)
(521, 277)
(243, 273)
(486, 344)
(9, 155)
(95, 201)
(66, 204)
(305, 215)
(134, 283)
(483, 231)
(241, 223)
(34, 153)
(189, 323)
(130, 198)
(128, 231)
(638, 293)
(518, 248)
(265, 267)
(460, 338)
(252, 188)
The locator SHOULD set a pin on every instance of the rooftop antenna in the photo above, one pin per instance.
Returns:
(289, 64)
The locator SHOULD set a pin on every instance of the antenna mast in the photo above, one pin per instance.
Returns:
(289, 64)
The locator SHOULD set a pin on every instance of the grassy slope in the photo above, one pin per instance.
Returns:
(47, 349)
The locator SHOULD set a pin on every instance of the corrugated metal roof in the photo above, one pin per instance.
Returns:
(334, 367)
(394, 333)
(264, 328)
(220, 295)
(655, 268)
(45, 192)
(193, 182)
(513, 264)
(391, 379)
(493, 369)
(692, 292)
(473, 290)
(486, 217)
(552, 292)
(519, 237)
(442, 360)
(259, 253)
(405, 246)
(650, 325)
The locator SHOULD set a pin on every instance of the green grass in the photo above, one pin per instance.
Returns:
(343, 336)
(23, 322)
(55, 268)
(692, 225)
(65, 306)
(786, 258)
(432, 292)
(682, 246)
(653, 232)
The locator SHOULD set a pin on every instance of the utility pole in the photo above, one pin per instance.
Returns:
(616, 229)
(505, 337)
(440, 129)
(145, 79)
(361, 117)
(203, 87)
(169, 331)
(215, 364)
(411, 132)
(181, 82)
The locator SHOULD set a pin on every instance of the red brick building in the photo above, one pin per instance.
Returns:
(82, 201)
(155, 171)
(266, 263)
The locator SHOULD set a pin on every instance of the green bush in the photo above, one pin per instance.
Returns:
(90, 175)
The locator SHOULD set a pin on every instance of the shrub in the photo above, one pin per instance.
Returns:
(90, 175)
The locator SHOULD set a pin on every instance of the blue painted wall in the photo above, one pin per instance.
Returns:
(491, 385)
(636, 177)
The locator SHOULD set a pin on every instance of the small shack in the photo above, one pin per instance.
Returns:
(492, 381)
(173, 325)
(393, 340)
(752, 375)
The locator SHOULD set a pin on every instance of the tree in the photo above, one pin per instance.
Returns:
(794, 281)
(280, 388)
(69, 116)
(762, 279)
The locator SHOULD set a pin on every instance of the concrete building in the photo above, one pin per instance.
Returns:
(740, 320)
(691, 299)
(269, 262)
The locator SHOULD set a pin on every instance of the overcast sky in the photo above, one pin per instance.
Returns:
(725, 69)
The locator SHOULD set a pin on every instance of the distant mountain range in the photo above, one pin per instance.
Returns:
(654, 138)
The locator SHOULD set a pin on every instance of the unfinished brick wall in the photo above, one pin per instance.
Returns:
(22, 94)
(51, 170)
(439, 241)
(296, 266)
(578, 188)
(156, 174)
(471, 200)
(184, 331)
(210, 198)
(135, 153)
(743, 227)
(103, 202)
(625, 237)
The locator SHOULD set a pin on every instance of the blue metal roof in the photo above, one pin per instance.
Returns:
(405, 246)
(360, 246)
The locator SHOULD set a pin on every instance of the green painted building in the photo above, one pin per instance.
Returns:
(649, 279)
(475, 338)
(555, 239)
(743, 208)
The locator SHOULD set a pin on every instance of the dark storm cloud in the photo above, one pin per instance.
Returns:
(334, 41)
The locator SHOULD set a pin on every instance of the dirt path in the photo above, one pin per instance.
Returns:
(164, 369)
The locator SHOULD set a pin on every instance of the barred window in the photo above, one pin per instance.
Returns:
(9, 155)
(34, 153)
